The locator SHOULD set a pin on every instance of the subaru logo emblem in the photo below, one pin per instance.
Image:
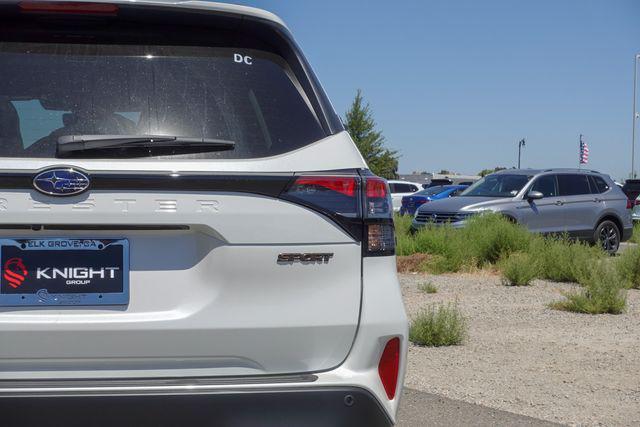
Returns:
(61, 182)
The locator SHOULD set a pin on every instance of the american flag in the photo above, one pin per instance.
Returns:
(584, 152)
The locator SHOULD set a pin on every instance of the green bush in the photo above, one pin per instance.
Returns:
(492, 237)
(489, 240)
(438, 326)
(452, 254)
(602, 292)
(428, 288)
(635, 237)
(519, 269)
(402, 224)
(483, 241)
(628, 266)
(405, 245)
(563, 260)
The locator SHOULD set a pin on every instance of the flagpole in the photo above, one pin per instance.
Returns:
(580, 153)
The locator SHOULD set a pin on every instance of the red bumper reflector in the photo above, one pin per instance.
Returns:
(389, 366)
(69, 8)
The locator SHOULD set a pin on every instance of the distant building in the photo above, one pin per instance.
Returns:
(426, 177)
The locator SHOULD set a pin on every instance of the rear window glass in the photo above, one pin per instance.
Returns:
(247, 96)
(599, 184)
(403, 188)
(572, 185)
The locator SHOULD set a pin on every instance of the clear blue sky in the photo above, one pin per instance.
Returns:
(455, 84)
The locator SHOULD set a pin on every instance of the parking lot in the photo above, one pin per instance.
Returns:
(525, 358)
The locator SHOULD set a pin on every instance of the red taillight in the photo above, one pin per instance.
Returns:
(344, 185)
(330, 194)
(389, 366)
(360, 204)
(376, 188)
(630, 204)
(76, 8)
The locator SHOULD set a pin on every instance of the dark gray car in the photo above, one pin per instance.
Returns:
(584, 204)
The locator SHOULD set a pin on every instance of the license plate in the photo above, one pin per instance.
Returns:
(54, 272)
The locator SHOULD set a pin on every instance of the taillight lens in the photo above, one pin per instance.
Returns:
(630, 204)
(75, 8)
(332, 194)
(389, 366)
(381, 239)
(377, 198)
(378, 218)
(360, 205)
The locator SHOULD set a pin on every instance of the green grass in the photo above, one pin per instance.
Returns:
(602, 292)
(440, 325)
(628, 267)
(490, 241)
(491, 238)
(563, 260)
(519, 269)
(484, 241)
(635, 238)
(427, 288)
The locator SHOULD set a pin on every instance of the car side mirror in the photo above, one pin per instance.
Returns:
(534, 195)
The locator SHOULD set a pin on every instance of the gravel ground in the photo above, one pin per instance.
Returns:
(525, 358)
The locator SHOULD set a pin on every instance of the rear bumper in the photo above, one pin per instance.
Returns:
(143, 397)
(627, 233)
(339, 406)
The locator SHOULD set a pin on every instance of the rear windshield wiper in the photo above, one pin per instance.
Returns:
(76, 143)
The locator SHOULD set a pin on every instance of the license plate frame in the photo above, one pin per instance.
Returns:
(113, 280)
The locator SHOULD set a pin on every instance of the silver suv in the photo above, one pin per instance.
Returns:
(584, 204)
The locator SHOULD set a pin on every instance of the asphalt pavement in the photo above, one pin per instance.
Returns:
(420, 409)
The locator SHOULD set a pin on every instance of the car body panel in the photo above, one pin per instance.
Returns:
(412, 202)
(397, 195)
(635, 213)
(542, 215)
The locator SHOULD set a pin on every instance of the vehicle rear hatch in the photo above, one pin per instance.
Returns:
(226, 261)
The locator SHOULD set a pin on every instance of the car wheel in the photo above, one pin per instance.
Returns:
(608, 236)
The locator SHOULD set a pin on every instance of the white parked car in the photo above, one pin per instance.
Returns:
(399, 189)
(635, 213)
(189, 236)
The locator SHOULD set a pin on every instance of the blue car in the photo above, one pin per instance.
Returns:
(414, 201)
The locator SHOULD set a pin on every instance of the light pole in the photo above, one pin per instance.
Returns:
(635, 116)
(521, 144)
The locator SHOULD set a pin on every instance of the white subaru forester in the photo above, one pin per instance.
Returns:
(188, 236)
